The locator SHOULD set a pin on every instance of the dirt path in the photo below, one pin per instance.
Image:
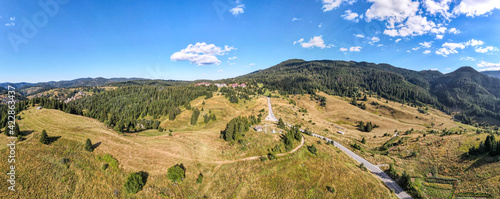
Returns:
(220, 163)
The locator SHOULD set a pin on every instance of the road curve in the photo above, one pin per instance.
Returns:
(374, 169)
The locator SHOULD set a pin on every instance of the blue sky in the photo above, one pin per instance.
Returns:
(186, 40)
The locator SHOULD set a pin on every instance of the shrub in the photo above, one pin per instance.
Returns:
(44, 138)
(271, 156)
(134, 183)
(330, 189)
(200, 178)
(312, 149)
(104, 166)
(362, 167)
(176, 173)
(263, 158)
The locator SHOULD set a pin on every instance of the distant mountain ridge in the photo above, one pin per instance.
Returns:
(493, 73)
(99, 81)
(464, 90)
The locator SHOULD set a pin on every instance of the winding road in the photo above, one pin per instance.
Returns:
(374, 169)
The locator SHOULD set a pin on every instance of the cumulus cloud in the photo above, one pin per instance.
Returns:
(398, 40)
(468, 58)
(232, 58)
(488, 66)
(473, 8)
(251, 64)
(374, 40)
(239, 9)
(359, 35)
(486, 49)
(427, 51)
(344, 49)
(450, 48)
(355, 49)
(454, 31)
(201, 54)
(352, 16)
(316, 41)
(329, 5)
(438, 7)
(219, 71)
(439, 36)
(426, 44)
(295, 19)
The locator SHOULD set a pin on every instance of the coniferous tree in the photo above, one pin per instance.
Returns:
(88, 145)
(44, 138)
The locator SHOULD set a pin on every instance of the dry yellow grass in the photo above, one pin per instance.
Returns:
(199, 148)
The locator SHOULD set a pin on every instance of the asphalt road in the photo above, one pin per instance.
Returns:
(374, 169)
(271, 116)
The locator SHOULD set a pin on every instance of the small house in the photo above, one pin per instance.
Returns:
(340, 132)
(258, 128)
(38, 108)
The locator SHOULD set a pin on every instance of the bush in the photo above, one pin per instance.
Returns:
(330, 189)
(176, 173)
(272, 156)
(104, 166)
(362, 167)
(312, 149)
(134, 183)
(263, 158)
(44, 138)
(200, 178)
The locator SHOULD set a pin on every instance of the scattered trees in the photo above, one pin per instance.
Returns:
(368, 127)
(199, 180)
(194, 117)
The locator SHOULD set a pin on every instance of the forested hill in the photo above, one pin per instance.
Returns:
(495, 74)
(463, 90)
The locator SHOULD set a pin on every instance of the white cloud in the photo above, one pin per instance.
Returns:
(239, 9)
(439, 36)
(374, 40)
(232, 58)
(295, 19)
(486, 49)
(427, 51)
(352, 16)
(398, 40)
(488, 66)
(251, 64)
(392, 11)
(473, 8)
(426, 44)
(439, 30)
(468, 58)
(321, 24)
(201, 54)
(298, 41)
(435, 8)
(450, 48)
(416, 48)
(316, 41)
(380, 45)
(355, 49)
(329, 5)
(454, 31)
(474, 42)
(344, 49)
(359, 35)
(219, 71)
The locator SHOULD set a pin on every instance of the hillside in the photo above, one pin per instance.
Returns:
(465, 90)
